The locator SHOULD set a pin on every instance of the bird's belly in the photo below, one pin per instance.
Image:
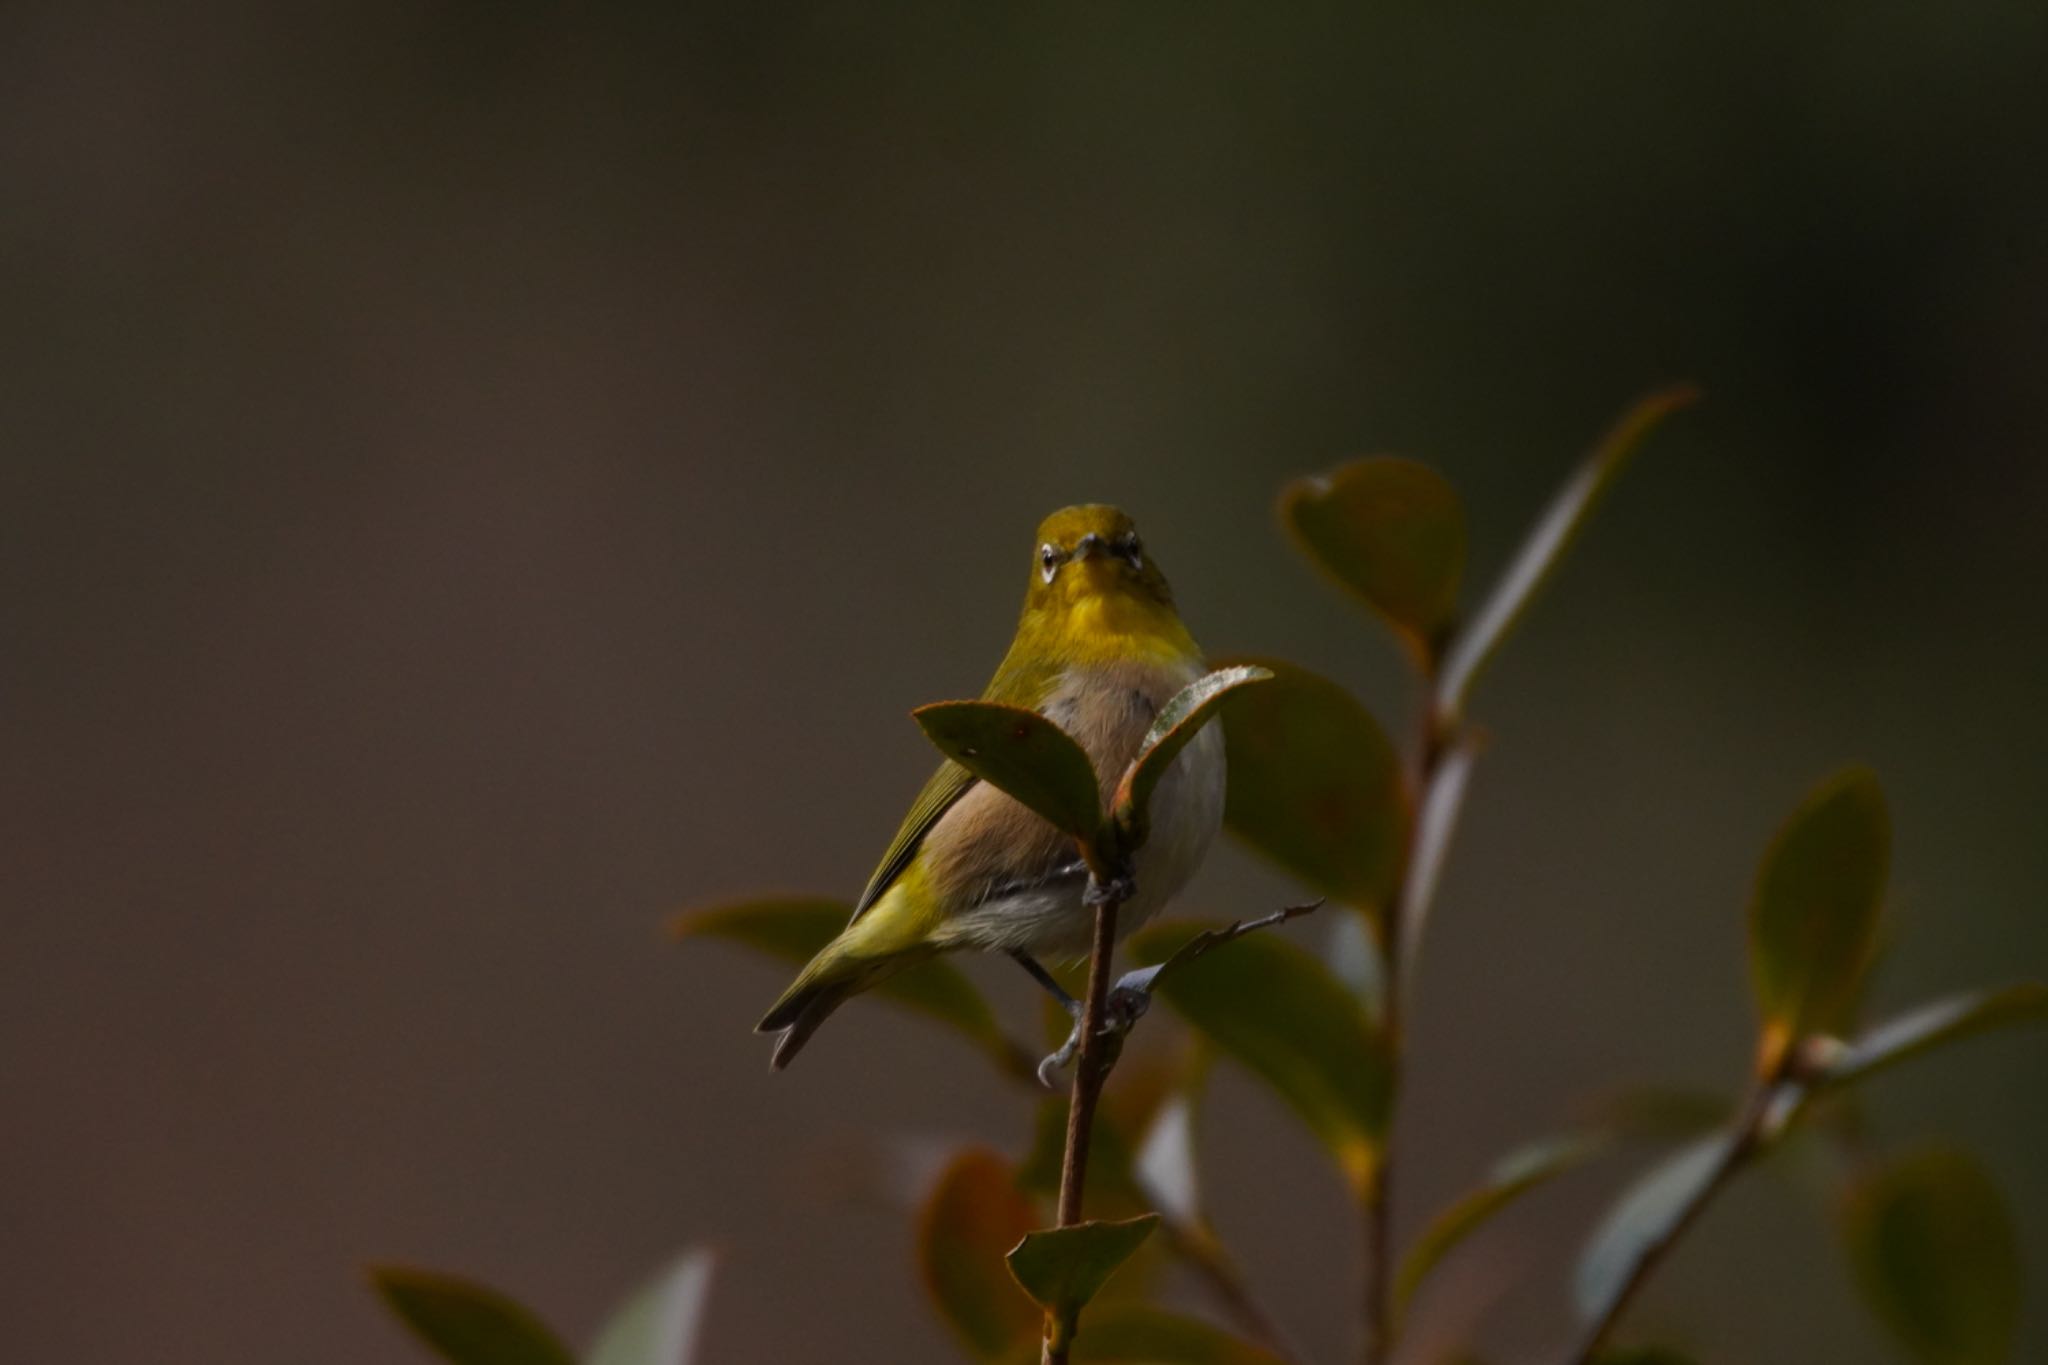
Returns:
(1050, 918)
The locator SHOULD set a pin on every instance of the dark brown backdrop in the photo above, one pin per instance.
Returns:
(477, 478)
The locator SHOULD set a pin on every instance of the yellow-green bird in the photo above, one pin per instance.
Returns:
(1099, 649)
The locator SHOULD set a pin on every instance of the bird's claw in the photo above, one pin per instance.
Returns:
(1048, 1068)
(1125, 1005)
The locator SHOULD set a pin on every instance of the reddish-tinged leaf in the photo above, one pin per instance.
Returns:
(974, 1216)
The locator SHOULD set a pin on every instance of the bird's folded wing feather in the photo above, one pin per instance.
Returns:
(945, 788)
(1023, 679)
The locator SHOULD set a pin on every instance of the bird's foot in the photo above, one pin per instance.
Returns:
(1125, 1005)
(1114, 891)
(1055, 1062)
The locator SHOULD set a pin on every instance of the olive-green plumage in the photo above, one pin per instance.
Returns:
(1099, 648)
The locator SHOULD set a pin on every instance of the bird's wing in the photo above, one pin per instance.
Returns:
(1021, 680)
(947, 786)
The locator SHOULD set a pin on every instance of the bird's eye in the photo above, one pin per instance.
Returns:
(1049, 558)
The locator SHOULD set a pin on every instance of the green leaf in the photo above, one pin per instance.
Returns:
(1279, 1012)
(1392, 531)
(1513, 1176)
(1178, 722)
(793, 929)
(974, 1215)
(1063, 1268)
(1813, 918)
(1560, 524)
(1137, 1334)
(1935, 1025)
(1935, 1255)
(1315, 787)
(662, 1321)
(466, 1322)
(1023, 754)
(1643, 1219)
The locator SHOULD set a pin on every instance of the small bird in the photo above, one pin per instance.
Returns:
(1099, 649)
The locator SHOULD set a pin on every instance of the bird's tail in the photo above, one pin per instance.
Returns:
(839, 972)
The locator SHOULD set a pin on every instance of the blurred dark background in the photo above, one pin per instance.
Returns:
(479, 478)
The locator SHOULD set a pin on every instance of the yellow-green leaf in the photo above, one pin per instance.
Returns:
(1315, 787)
(1515, 1175)
(1393, 531)
(1547, 541)
(974, 1215)
(1063, 1268)
(1279, 1012)
(1023, 754)
(1935, 1256)
(1813, 918)
(662, 1321)
(792, 929)
(465, 1322)
(1932, 1026)
(1178, 722)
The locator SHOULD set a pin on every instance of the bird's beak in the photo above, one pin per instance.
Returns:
(1091, 546)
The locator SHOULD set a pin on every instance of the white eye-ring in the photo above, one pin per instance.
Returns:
(1049, 558)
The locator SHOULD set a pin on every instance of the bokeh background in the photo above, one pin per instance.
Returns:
(478, 478)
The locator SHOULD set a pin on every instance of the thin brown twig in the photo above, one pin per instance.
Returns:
(1439, 737)
(1091, 1069)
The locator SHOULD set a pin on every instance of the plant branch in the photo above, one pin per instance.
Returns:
(1772, 1104)
(1091, 1069)
(1444, 752)
(1189, 1240)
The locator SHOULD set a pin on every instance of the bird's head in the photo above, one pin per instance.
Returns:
(1093, 584)
(1092, 551)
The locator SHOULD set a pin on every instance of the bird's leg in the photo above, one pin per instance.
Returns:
(1047, 980)
(1127, 1002)
(1128, 999)
(1068, 1003)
